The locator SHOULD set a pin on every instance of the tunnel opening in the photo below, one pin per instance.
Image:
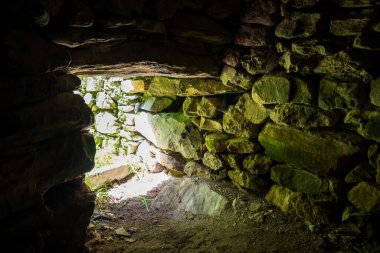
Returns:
(263, 116)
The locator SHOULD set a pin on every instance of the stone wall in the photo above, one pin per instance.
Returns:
(294, 115)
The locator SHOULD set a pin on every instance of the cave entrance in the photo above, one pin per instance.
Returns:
(126, 163)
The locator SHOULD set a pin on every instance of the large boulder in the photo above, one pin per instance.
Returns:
(323, 153)
(171, 131)
(365, 123)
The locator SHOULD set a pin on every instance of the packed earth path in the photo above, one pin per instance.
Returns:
(227, 220)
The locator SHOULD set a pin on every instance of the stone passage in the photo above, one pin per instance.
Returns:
(280, 97)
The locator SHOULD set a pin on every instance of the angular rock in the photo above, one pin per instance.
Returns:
(362, 172)
(302, 116)
(231, 76)
(18, 44)
(134, 86)
(235, 123)
(211, 107)
(298, 180)
(303, 92)
(170, 131)
(365, 197)
(213, 161)
(254, 112)
(260, 12)
(365, 123)
(257, 164)
(323, 153)
(194, 169)
(271, 89)
(220, 9)
(347, 27)
(217, 142)
(156, 104)
(298, 25)
(104, 101)
(297, 203)
(55, 116)
(342, 67)
(242, 146)
(250, 36)
(259, 61)
(374, 93)
(247, 180)
(100, 176)
(310, 47)
(208, 124)
(338, 95)
(163, 86)
(107, 123)
(198, 28)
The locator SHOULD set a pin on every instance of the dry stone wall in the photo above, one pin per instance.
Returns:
(280, 97)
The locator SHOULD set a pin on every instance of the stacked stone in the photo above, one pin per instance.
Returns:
(312, 103)
(114, 101)
(44, 205)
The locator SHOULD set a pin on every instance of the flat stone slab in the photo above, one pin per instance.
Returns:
(179, 196)
(100, 176)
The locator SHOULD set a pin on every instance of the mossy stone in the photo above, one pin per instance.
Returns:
(257, 164)
(271, 89)
(217, 142)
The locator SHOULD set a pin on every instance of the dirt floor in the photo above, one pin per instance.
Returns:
(134, 226)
